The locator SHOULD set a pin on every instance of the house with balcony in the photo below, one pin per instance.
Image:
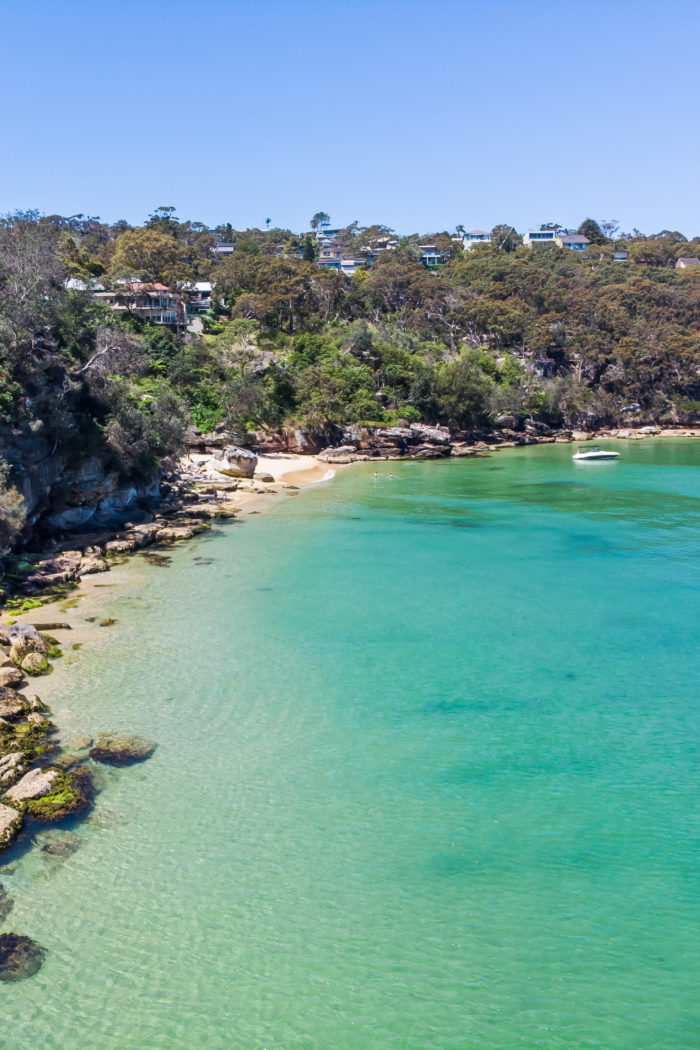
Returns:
(329, 257)
(153, 303)
(472, 237)
(535, 238)
(198, 298)
(574, 242)
(430, 256)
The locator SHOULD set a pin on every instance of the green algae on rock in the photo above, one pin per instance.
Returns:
(118, 750)
(20, 957)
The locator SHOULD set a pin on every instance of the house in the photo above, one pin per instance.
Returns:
(534, 238)
(349, 265)
(620, 256)
(575, 242)
(326, 236)
(199, 297)
(225, 248)
(472, 237)
(430, 256)
(684, 264)
(329, 257)
(154, 303)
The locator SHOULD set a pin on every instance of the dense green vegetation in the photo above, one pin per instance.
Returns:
(498, 332)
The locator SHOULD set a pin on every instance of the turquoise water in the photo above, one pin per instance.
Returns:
(427, 774)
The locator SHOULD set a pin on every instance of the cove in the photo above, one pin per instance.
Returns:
(426, 774)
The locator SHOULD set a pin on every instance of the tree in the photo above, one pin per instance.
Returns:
(462, 391)
(309, 250)
(504, 238)
(590, 228)
(322, 219)
(148, 255)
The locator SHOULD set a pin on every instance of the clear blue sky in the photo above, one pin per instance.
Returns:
(418, 115)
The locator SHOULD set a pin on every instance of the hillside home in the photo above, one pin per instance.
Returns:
(329, 257)
(154, 303)
(225, 248)
(684, 264)
(472, 237)
(575, 242)
(199, 297)
(620, 256)
(430, 256)
(350, 265)
(534, 238)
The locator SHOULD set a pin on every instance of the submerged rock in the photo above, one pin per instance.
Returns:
(7, 903)
(118, 750)
(20, 957)
(62, 845)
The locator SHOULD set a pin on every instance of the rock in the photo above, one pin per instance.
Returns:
(36, 719)
(117, 750)
(7, 903)
(62, 845)
(339, 454)
(431, 435)
(121, 546)
(90, 565)
(10, 823)
(10, 766)
(12, 704)
(34, 784)
(81, 743)
(35, 664)
(52, 626)
(20, 957)
(236, 462)
(262, 476)
(10, 677)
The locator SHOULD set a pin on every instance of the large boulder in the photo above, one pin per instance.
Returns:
(34, 784)
(118, 750)
(12, 704)
(20, 957)
(10, 823)
(430, 435)
(10, 677)
(236, 462)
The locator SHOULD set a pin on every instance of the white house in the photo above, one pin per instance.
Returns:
(536, 237)
(350, 265)
(472, 237)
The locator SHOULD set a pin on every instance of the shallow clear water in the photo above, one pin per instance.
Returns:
(427, 774)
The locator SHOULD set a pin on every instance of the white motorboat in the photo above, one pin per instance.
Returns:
(587, 455)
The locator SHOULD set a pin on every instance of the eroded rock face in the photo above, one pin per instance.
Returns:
(118, 750)
(10, 824)
(20, 957)
(34, 784)
(236, 462)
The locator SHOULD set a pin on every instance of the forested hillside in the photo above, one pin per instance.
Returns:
(499, 333)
